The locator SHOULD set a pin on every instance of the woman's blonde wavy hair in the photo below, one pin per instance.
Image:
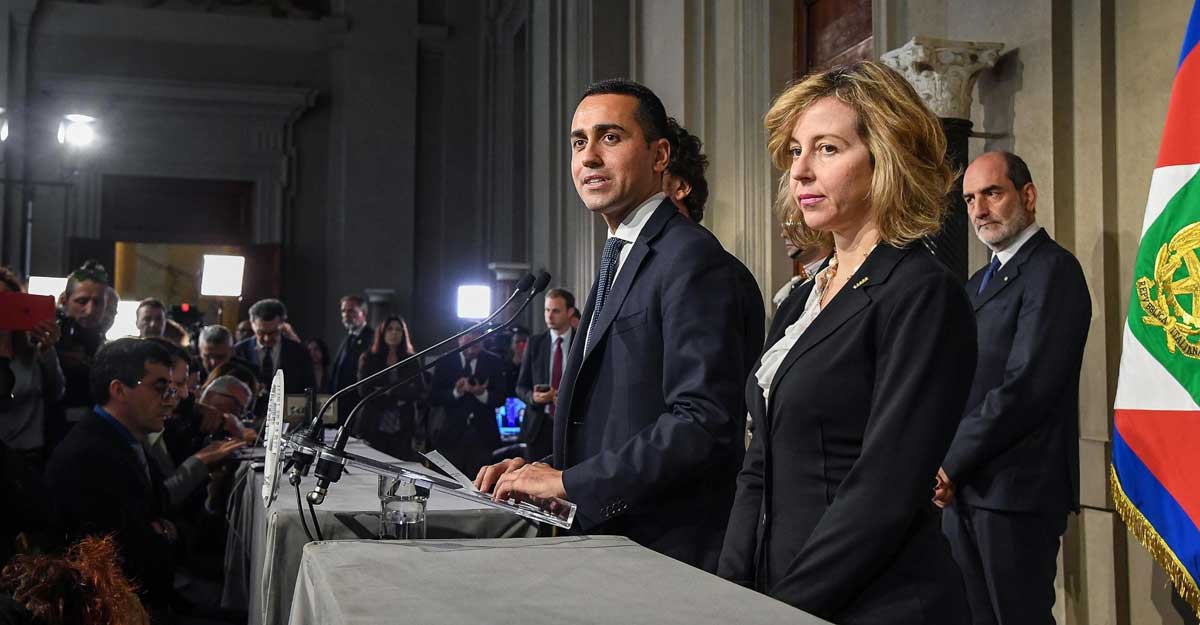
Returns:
(912, 174)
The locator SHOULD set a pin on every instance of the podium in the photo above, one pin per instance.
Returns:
(577, 579)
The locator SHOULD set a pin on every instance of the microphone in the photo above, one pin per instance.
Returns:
(308, 437)
(331, 460)
(522, 286)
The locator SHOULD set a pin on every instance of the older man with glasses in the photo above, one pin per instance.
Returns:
(186, 456)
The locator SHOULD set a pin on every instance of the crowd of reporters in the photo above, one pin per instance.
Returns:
(169, 528)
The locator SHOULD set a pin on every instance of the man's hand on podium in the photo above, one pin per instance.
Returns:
(538, 480)
(489, 474)
(515, 478)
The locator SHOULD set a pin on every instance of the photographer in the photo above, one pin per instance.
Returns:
(81, 311)
(30, 378)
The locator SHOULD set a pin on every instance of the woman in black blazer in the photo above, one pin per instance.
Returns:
(866, 371)
(389, 421)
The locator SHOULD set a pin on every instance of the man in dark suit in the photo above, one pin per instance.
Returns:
(1012, 472)
(100, 479)
(541, 373)
(269, 350)
(344, 369)
(687, 188)
(468, 389)
(648, 431)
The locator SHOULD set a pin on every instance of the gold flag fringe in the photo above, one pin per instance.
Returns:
(1184, 584)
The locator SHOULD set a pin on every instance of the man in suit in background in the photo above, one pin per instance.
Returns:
(648, 431)
(541, 373)
(468, 389)
(344, 368)
(1012, 472)
(268, 350)
(100, 478)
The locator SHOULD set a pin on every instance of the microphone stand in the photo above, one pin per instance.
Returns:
(332, 460)
(302, 457)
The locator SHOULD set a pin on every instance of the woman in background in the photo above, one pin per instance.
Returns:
(389, 420)
(318, 352)
(30, 380)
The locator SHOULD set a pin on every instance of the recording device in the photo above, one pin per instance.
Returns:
(474, 381)
(22, 311)
(541, 388)
(330, 461)
(509, 418)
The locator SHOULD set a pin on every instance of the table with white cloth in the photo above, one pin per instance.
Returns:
(575, 579)
(263, 549)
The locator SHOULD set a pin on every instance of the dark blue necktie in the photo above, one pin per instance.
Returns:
(993, 267)
(609, 261)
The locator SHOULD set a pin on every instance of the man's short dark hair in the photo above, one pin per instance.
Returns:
(650, 113)
(562, 294)
(688, 163)
(151, 302)
(268, 310)
(125, 360)
(353, 299)
(1018, 171)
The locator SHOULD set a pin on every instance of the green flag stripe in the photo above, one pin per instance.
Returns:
(1147, 312)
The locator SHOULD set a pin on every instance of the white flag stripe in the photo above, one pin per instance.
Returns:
(1164, 184)
(1144, 384)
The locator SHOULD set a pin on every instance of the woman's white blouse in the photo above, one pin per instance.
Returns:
(774, 356)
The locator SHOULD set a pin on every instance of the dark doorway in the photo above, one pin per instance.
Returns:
(176, 210)
(182, 212)
(831, 33)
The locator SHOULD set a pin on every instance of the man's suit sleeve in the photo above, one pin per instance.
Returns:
(190, 475)
(1046, 352)
(497, 392)
(525, 377)
(92, 502)
(701, 326)
(921, 381)
(443, 385)
(300, 356)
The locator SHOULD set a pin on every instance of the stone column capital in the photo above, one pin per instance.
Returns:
(943, 71)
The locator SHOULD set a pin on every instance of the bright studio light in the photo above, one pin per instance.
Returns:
(47, 285)
(474, 301)
(77, 130)
(222, 276)
(126, 322)
(3, 124)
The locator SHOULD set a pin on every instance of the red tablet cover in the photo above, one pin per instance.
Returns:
(22, 311)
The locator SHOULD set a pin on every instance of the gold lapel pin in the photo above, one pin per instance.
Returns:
(861, 282)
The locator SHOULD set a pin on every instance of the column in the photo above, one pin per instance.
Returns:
(943, 72)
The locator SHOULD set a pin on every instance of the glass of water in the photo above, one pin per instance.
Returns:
(402, 509)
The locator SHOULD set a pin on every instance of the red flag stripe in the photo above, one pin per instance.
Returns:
(1165, 440)
(1181, 135)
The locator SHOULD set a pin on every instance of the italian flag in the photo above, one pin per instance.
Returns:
(1155, 474)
